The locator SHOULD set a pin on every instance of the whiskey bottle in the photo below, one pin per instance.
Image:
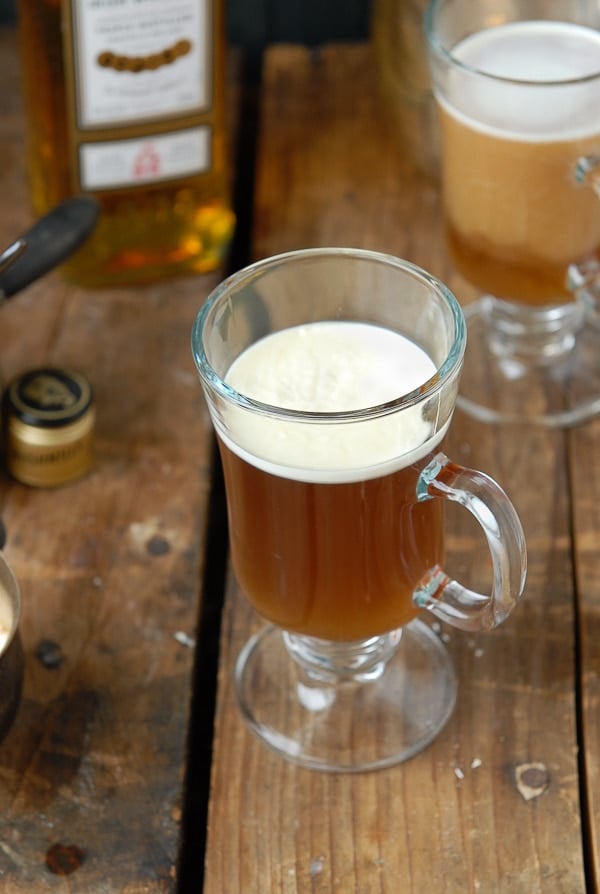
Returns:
(125, 101)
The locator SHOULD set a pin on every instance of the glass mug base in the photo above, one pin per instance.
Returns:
(348, 725)
(508, 378)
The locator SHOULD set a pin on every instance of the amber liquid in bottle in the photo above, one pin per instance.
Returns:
(174, 221)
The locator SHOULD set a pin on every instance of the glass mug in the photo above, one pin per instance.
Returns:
(517, 84)
(331, 378)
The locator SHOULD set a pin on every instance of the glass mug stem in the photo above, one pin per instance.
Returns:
(487, 502)
(534, 335)
(332, 662)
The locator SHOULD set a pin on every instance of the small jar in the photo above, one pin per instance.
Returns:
(48, 422)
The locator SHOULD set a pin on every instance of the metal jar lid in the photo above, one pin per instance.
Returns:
(48, 417)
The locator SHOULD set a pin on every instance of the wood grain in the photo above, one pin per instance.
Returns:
(585, 484)
(455, 818)
(92, 772)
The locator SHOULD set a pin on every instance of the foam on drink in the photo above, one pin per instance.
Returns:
(512, 137)
(330, 367)
(538, 53)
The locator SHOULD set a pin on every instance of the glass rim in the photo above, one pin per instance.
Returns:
(450, 366)
(437, 46)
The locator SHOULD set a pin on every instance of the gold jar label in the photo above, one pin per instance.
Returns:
(48, 427)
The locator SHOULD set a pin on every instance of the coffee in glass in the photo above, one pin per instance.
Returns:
(331, 378)
(517, 86)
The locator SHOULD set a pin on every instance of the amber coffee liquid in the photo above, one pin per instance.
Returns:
(516, 216)
(327, 536)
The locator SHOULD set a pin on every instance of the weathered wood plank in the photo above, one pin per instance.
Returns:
(330, 172)
(585, 472)
(109, 568)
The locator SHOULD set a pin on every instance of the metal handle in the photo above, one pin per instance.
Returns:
(47, 243)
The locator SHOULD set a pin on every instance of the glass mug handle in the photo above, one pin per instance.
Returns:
(486, 501)
(583, 279)
(588, 165)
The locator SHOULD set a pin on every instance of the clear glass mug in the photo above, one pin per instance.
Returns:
(517, 84)
(331, 377)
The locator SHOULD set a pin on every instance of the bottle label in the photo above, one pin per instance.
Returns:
(162, 157)
(139, 80)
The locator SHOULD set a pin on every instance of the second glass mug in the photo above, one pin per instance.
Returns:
(331, 378)
(517, 84)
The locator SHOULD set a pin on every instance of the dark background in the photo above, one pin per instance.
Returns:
(254, 23)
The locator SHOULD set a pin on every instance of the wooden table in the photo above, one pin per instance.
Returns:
(109, 756)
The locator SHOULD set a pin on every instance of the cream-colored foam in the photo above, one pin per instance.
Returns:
(543, 53)
(330, 367)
